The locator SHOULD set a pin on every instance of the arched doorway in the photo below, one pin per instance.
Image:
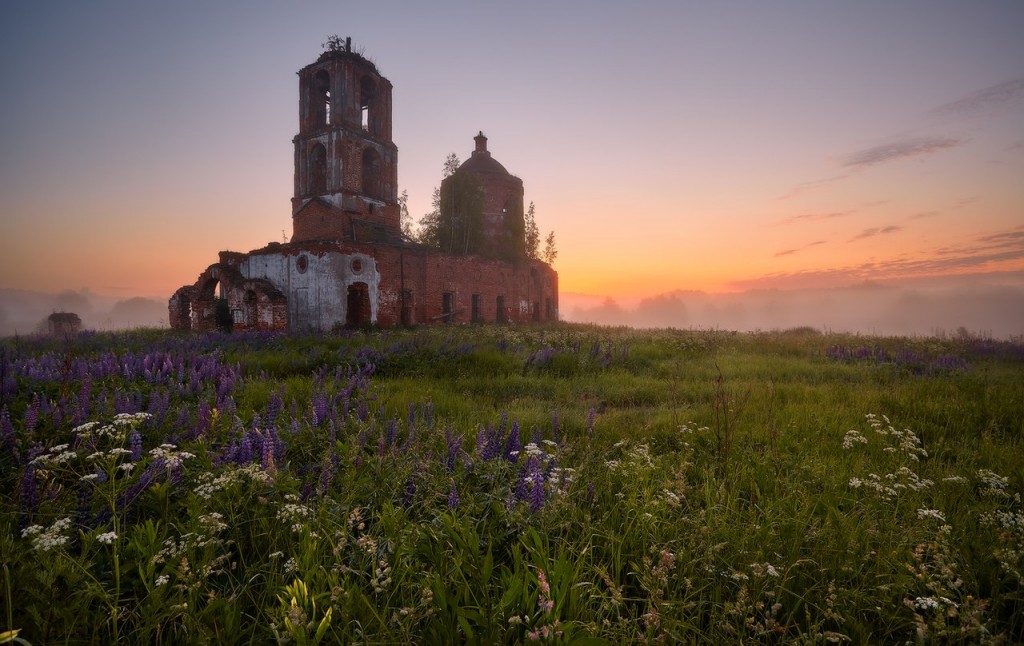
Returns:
(250, 313)
(357, 312)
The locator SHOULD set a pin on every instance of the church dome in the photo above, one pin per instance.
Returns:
(481, 161)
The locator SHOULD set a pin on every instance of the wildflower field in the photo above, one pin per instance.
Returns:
(562, 484)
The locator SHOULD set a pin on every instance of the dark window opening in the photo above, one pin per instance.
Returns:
(372, 185)
(475, 309)
(250, 312)
(318, 170)
(358, 305)
(536, 310)
(501, 315)
(448, 307)
(367, 99)
(549, 309)
(321, 97)
(407, 307)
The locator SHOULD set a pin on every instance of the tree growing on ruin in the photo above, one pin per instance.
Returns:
(404, 219)
(532, 233)
(460, 229)
(550, 251)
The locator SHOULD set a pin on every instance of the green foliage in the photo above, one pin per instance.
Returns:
(661, 485)
(531, 234)
(550, 250)
(460, 227)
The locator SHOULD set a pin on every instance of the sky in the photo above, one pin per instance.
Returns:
(673, 146)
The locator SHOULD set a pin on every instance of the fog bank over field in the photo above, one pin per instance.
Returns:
(987, 304)
(25, 312)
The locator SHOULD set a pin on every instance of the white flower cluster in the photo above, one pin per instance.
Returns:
(171, 456)
(763, 569)
(892, 484)
(294, 512)
(55, 456)
(689, 428)
(210, 484)
(107, 538)
(49, 538)
(213, 522)
(906, 440)
(853, 437)
(930, 603)
(637, 457)
(934, 514)
(115, 429)
(993, 484)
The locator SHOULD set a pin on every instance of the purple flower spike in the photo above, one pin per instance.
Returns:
(453, 497)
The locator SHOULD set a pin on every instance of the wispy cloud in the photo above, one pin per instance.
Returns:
(805, 186)
(790, 252)
(813, 217)
(984, 102)
(876, 231)
(903, 149)
(923, 214)
(990, 252)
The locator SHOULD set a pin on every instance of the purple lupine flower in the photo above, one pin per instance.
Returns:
(522, 489)
(181, 423)
(32, 413)
(158, 403)
(328, 467)
(267, 461)
(392, 436)
(319, 407)
(453, 496)
(514, 444)
(135, 445)
(7, 438)
(29, 486)
(246, 450)
(85, 397)
(429, 414)
(145, 481)
(274, 408)
(453, 448)
(481, 443)
(204, 418)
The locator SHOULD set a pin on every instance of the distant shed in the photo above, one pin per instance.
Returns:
(64, 323)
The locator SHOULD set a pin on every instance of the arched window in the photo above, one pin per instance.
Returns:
(318, 170)
(367, 98)
(372, 183)
(320, 97)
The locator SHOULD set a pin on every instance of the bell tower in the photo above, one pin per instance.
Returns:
(346, 166)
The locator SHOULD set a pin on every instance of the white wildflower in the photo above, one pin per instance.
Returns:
(934, 514)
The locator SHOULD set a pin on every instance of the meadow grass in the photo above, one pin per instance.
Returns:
(563, 483)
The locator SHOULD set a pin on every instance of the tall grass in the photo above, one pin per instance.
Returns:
(566, 483)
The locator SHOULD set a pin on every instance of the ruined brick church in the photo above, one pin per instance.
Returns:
(347, 263)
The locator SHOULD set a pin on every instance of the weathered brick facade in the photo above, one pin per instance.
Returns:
(347, 262)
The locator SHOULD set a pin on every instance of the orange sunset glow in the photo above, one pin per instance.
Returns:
(843, 157)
